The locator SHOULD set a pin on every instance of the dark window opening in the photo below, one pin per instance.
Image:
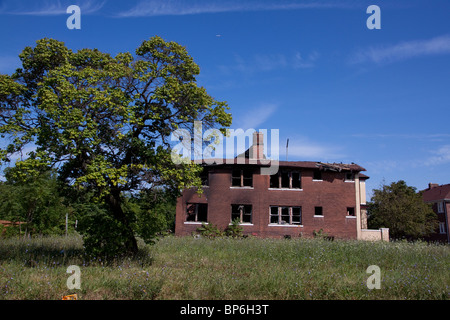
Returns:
(236, 178)
(274, 181)
(296, 215)
(242, 212)
(296, 181)
(318, 211)
(286, 180)
(204, 177)
(197, 212)
(317, 175)
(350, 211)
(349, 176)
(242, 178)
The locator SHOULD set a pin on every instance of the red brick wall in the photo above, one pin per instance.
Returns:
(333, 194)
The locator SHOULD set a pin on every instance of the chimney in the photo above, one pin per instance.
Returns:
(432, 185)
(257, 149)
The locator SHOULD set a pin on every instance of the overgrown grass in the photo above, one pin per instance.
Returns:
(225, 268)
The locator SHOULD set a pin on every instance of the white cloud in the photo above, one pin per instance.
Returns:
(403, 50)
(180, 7)
(48, 8)
(269, 62)
(441, 156)
(302, 148)
(255, 117)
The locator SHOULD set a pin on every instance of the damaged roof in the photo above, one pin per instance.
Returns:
(353, 167)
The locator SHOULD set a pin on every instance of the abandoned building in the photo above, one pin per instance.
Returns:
(302, 198)
(439, 197)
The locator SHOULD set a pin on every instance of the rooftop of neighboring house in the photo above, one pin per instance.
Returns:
(436, 192)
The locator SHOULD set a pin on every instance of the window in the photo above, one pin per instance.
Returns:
(241, 178)
(318, 211)
(349, 176)
(317, 175)
(242, 212)
(286, 180)
(440, 206)
(351, 211)
(196, 212)
(442, 227)
(285, 215)
(204, 176)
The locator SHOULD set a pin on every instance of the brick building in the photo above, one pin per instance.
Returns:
(439, 197)
(302, 197)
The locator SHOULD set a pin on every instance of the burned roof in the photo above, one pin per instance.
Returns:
(338, 167)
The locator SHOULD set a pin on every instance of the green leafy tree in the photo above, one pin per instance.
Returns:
(156, 213)
(105, 122)
(401, 209)
(33, 199)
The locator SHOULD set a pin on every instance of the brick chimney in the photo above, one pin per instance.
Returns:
(432, 185)
(257, 149)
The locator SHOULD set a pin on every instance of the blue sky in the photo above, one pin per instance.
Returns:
(312, 69)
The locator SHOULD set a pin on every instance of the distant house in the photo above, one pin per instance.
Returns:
(439, 197)
(7, 224)
(302, 198)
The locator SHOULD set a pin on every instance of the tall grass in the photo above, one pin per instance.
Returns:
(225, 268)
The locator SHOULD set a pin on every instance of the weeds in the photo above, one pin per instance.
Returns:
(227, 268)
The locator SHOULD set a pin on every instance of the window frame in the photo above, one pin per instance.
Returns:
(242, 178)
(281, 216)
(242, 213)
(442, 228)
(196, 213)
(281, 185)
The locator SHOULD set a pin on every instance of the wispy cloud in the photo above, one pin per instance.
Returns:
(417, 136)
(255, 117)
(441, 156)
(402, 51)
(302, 148)
(48, 8)
(190, 7)
(269, 62)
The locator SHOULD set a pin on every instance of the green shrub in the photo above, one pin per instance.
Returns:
(234, 230)
(210, 231)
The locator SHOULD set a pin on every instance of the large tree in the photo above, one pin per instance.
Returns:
(105, 122)
(401, 209)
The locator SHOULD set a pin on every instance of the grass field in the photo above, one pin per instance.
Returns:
(252, 268)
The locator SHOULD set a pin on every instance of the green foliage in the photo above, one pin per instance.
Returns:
(33, 199)
(106, 121)
(210, 231)
(401, 209)
(156, 215)
(234, 230)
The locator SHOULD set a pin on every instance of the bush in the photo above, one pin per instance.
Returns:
(210, 231)
(234, 230)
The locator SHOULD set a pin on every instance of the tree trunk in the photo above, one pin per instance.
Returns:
(114, 202)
